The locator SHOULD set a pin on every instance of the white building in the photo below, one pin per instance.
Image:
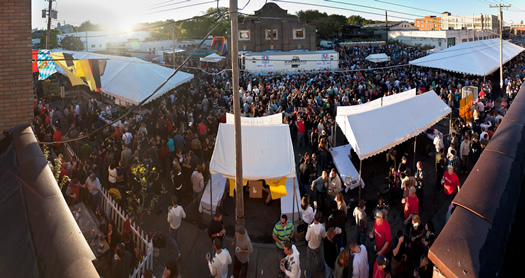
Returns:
(439, 39)
(100, 40)
(469, 22)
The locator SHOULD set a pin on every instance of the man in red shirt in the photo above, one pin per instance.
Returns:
(450, 181)
(300, 132)
(379, 267)
(57, 137)
(411, 204)
(73, 191)
(382, 234)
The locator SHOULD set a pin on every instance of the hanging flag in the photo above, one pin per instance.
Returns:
(46, 66)
(88, 75)
(232, 185)
(35, 58)
(65, 61)
(95, 69)
(277, 187)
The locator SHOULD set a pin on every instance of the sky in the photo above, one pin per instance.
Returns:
(119, 15)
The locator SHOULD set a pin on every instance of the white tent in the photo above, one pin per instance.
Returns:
(476, 58)
(131, 80)
(212, 58)
(373, 131)
(267, 154)
(378, 58)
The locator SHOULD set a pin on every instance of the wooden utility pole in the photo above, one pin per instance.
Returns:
(48, 37)
(239, 195)
(500, 17)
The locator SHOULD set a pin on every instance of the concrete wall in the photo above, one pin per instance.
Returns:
(16, 78)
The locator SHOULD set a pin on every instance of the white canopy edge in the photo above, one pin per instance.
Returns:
(375, 104)
(276, 119)
(375, 131)
(476, 58)
(377, 58)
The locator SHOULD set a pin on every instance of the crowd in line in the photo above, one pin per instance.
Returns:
(176, 136)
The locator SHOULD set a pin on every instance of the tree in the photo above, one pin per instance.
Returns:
(88, 26)
(72, 43)
(53, 42)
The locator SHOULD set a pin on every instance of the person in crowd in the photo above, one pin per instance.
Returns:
(416, 234)
(330, 251)
(218, 264)
(361, 222)
(334, 184)
(122, 263)
(314, 236)
(243, 249)
(94, 187)
(282, 231)
(340, 201)
(291, 264)
(73, 192)
(341, 265)
(382, 235)
(380, 266)
(400, 254)
(320, 185)
(420, 181)
(171, 270)
(360, 263)
(307, 212)
(216, 229)
(411, 205)
(337, 220)
(429, 237)
(450, 181)
(175, 215)
(197, 181)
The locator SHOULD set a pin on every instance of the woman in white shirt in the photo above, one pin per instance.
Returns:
(307, 212)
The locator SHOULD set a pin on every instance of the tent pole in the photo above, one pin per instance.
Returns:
(335, 134)
(293, 202)
(211, 196)
(415, 143)
(360, 178)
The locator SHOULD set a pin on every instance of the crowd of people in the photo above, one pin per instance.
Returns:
(174, 136)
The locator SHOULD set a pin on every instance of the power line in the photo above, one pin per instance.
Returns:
(167, 5)
(370, 7)
(187, 6)
(395, 4)
(143, 101)
(338, 8)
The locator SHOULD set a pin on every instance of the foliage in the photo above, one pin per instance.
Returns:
(144, 201)
(328, 26)
(72, 43)
(88, 26)
(51, 90)
(115, 193)
(53, 42)
(56, 168)
(158, 239)
(358, 20)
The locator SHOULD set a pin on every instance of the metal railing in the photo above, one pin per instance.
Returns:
(118, 216)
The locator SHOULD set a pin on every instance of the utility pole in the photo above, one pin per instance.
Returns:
(239, 195)
(386, 27)
(173, 48)
(48, 37)
(500, 17)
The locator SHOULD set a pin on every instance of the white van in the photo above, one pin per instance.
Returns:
(326, 44)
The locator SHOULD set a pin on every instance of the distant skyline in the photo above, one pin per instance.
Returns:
(118, 15)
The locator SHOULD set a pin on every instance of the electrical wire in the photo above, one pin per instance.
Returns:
(161, 5)
(338, 8)
(404, 6)
(375, 8)
(187, 6)
(144, 100)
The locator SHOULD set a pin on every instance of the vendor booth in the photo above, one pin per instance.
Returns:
(268, 155)
(371, 128)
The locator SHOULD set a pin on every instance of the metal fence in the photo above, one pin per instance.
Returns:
(118, 216)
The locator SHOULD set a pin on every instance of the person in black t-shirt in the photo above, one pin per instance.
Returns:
(216, 228)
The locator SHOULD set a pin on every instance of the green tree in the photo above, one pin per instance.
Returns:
(88, 26)
(53, 42)
(72, 43)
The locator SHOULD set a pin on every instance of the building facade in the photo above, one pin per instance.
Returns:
(272, 28)
(16, 77)
(428, 23)
(439, 39)
(380, 30)
(469, 22)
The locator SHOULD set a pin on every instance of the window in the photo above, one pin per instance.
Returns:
(244, 35)
(271, 32)
(298, 33)
(93, 46)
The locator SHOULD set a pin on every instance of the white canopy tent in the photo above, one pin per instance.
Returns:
(378, 58)
(212, 58)
(373, 130)
(267, 153)
(477, 58)
(131, 80)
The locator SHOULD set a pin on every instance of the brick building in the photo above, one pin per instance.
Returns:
(273, 28)
(16, 85)
(428, 23)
